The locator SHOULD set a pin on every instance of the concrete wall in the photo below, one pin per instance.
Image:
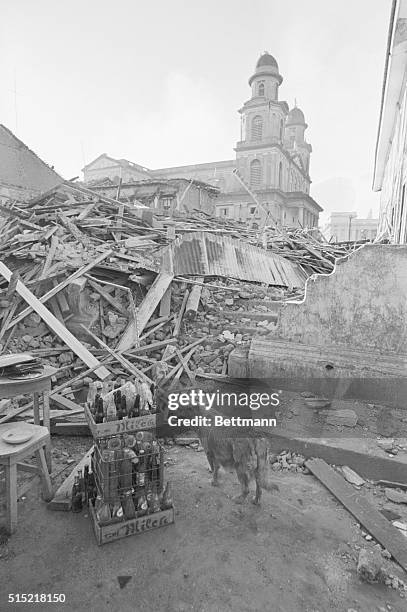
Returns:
(361, 305)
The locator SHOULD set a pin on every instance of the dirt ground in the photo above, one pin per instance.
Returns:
(297, 552)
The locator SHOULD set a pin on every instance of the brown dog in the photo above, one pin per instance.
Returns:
(245, 451)
(241, 448)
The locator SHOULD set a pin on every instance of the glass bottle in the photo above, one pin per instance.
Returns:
(136, 408)
(166, 501)
(129, 510)
(149, 495)
(123, 407)
(142, 506)
(155, 505)
(76, 496)
(141, 470)
(103, 513)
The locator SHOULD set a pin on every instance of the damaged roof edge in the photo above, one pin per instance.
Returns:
(389, 98)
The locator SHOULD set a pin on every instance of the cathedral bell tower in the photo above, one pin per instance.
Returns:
(262, 124)
(295, 142)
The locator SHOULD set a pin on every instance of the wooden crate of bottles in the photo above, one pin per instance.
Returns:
(117, 408)
(125, 487)
(110, 532)
(128, 495)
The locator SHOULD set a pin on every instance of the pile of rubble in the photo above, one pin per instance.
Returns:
(91, 286)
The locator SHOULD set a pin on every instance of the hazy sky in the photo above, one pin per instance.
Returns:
(159, 83)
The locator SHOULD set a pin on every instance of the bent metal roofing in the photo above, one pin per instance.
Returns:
(206, 254)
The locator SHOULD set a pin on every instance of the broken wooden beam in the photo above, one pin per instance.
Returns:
(194, 298)
(108, 298)
(55, 290)
(359, 506)
(75, 231)
(178, 322)
(56, 326)
(50, 256)
(165, 304)
(125, 362)
(62, 498)
(145, 311)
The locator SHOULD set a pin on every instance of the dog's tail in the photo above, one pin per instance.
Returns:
(263, 466)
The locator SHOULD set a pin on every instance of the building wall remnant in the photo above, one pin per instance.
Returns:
(361, 305)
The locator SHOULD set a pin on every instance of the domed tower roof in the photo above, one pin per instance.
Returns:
(295, 117)
(267, 60)
(266, 66)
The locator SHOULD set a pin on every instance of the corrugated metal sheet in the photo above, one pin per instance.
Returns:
(207, 254)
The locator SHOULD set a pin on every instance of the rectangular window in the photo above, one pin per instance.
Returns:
(252, 209)
(166, 203)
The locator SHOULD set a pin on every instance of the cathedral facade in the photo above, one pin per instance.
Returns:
(269, 177)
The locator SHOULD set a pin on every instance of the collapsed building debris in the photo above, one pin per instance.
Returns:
(83, 275)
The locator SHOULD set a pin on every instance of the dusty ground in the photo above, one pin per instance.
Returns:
(298, 552)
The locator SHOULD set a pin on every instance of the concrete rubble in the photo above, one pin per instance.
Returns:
(108, 266)
(108, 272)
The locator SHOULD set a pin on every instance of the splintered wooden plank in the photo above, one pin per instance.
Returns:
(165, 304)
(65, 402)
(108, 298)
(74, 230)
(50, 256)
(87, 210)
(125, 362)
(82, 271)
(62, 498)
(145, 311)
(56, 326)
(177, 327)
(194, 297)
(359, 506)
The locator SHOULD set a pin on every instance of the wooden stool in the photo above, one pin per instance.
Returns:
(10, 388)
(10, 457)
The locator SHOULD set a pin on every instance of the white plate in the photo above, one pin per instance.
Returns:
(17, 436)
(28, 376)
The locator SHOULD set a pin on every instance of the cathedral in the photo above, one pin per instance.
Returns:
(269, 177)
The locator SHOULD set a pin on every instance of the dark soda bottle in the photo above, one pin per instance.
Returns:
(86, 484)
(136, 409)
(99, 409)
(141, 470)
(76, 497)
(156, 460)
(117, 394)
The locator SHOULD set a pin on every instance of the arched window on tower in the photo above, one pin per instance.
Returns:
(261, 89)
(281, 129)
(280, 175)
(257, 128)
(255, 173)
